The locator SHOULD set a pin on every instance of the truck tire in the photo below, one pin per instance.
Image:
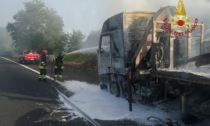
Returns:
(114, 89)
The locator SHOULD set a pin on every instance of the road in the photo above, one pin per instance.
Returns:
(27, 102)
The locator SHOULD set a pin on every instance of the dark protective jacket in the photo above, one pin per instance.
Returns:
(59, 62)
(43, 59)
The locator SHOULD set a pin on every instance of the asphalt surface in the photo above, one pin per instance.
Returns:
(27, 102)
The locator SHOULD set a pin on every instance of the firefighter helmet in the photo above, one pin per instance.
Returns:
(44, 51)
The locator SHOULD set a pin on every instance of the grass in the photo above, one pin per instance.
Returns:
(81, 59)
(86, 62)
(77, 56)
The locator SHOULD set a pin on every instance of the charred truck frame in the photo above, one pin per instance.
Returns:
(135, 48)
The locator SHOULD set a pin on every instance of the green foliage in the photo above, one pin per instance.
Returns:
(73, 40)
(92, 39)
(5, 40)
(36, 27)
(78, 57)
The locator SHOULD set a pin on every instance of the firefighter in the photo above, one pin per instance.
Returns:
(43, 66)
(58, 67)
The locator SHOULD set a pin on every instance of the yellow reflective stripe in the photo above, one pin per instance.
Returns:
(41, 67)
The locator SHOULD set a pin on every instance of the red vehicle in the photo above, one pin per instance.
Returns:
(29, 56)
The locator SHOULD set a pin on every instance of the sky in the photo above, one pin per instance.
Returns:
(89, 15)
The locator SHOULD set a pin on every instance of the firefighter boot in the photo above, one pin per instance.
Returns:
(40, 78)
(60, 77)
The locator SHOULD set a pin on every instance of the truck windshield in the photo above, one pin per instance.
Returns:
(105, 43)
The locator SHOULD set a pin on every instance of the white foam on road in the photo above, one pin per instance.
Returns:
(100, 104)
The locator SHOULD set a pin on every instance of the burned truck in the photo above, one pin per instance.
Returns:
(137, 44)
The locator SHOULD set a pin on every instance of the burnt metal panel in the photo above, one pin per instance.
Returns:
(125, 30)
(201, 59)
(182, 76)
(145, 42)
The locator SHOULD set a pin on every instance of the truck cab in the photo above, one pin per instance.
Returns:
(138, 57)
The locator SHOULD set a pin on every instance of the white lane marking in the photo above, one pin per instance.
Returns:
(92, 121)
(30, 69)
(74, 106)
(20, 64)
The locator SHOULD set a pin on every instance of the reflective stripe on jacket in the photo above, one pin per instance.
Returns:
(42, 65)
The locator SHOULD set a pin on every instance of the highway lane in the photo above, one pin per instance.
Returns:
(24, 101)
(70, 73)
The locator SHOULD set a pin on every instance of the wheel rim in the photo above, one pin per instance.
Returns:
(114, 89)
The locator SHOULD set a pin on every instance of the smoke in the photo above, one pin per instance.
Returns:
(92, 40)
(89, 15)
(102, 10)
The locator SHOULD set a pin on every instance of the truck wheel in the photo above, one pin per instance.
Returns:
(115, 89)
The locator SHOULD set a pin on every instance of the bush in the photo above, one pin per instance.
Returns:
(79, 57)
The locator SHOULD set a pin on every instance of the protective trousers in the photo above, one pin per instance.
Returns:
(43, 74)
(43, 71)
(58, 72)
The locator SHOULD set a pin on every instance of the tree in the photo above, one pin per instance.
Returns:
(73, 40)
(5, 40)
(36, 27)
(92, 40)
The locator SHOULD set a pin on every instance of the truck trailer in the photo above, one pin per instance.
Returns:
(138, 60)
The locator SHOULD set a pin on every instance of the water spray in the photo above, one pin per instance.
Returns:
(86, 50)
